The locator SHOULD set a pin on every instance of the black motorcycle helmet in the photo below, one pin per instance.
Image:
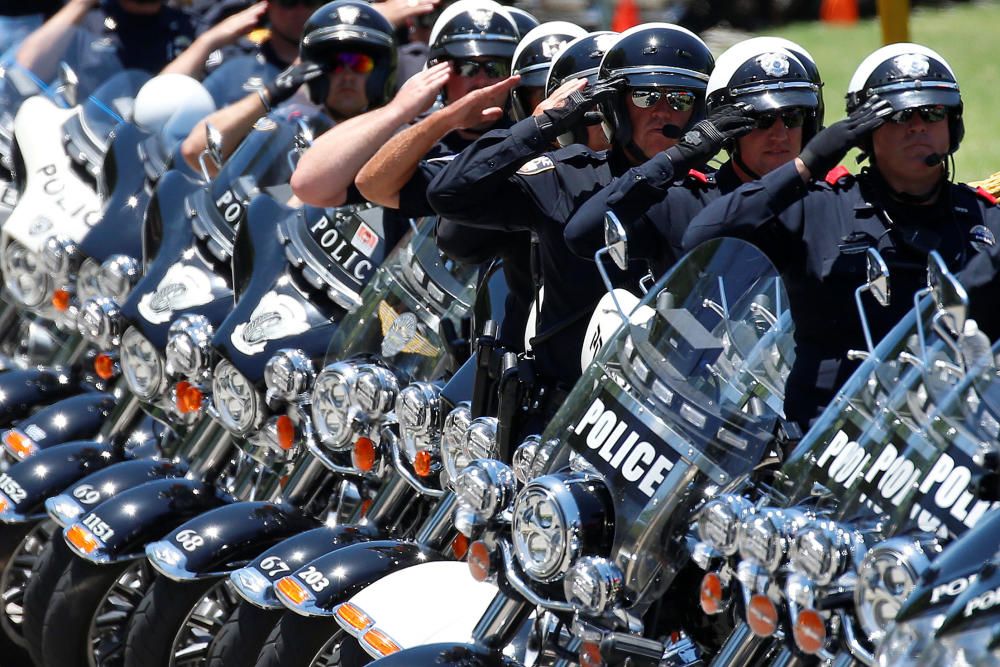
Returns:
(470, 29)
(653, 55)
(353, 26)
(525, 21)
(812, 69)
(580, 59)
(910, 76)
(532, 57)
(766, 76)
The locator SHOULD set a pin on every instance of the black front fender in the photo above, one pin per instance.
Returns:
(212, 543)
(364, 564)
(104, 484)
(123, 524)
(446, 654)
(74, 418)
(23, 390)
(27, 484)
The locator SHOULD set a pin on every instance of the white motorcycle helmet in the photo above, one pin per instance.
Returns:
(171, 104)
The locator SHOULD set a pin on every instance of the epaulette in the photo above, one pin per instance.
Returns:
(984, 194)
(837, 176)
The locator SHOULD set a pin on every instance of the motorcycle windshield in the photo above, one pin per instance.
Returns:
(683, 398)
(896, 455)
(415, 291)
(261, 161)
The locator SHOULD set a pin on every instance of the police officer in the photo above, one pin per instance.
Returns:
(141, 34)
(510, 180)
(347, 65)
(18, 18)
(905, 112)
(531, 62)
(763, 102)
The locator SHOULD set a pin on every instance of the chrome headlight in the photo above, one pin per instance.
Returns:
(485, 488)
(189, 345)
(418, 409)
(887, 575)
(480, 439)
(908, 644)
(531, 458)
(100, 321)
(60, 256)
(235, 399)
(87, 285)
(593, 584)
(288, 374)
(719, 522)
(556, 519)
(822, 551)
(452, 436)
(331, 404)
(26, 279)
(117, 275)
(141, 365)
(763, 537)
(375, 391)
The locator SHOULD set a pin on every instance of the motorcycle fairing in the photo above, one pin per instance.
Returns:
(227, 535)
(75, 418)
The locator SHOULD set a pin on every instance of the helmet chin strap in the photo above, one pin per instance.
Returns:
(743, 165)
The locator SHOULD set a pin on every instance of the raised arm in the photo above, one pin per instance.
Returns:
(392, 167)
(329, 167)
(41, 51)
(192, 61)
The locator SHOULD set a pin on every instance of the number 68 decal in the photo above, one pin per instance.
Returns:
(189, 539)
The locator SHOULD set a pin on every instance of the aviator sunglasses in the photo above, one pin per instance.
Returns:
(790, 118)
(359, 63)
(495, 69)
(678, 100)
(928, 114)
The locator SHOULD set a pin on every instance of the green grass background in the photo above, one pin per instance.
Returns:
(967, 35)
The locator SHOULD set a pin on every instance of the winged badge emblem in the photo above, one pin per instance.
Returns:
(399, 334)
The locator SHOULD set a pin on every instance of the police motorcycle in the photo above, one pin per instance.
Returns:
(815, 564)
(679, 404)
(91, 278)
(180, 259)
(384, 501)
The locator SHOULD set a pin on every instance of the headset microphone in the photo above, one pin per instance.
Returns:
(934, 159)
(671, 131)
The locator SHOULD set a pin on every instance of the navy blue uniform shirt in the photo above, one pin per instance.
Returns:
(507, 180)
(141, 42)
(817, 233)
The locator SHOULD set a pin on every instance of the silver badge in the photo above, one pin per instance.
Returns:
(348, 13)
(912, 65)
(482, 17)
(774, 64)
(981, 238)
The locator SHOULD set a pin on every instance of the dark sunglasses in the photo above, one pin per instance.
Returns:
(678, 100)
(359, 63)
(930, 114)
(296, 3)
(790, 118)
(495, 69)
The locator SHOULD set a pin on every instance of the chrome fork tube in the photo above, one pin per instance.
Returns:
(787, 658)
(208, 449)
(303, 480)
(439, 527)
(501, 621)
(740, 648)
(390, 502)
(122, 417)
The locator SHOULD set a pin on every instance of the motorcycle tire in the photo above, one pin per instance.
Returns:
(11, 536)
(300, 641)
(160, 618)
(242, 638)
(55, 558)
(75, 601)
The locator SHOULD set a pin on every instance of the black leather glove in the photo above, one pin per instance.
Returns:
(828, 148)
(706, 138)
(563, 118)
(289, 81)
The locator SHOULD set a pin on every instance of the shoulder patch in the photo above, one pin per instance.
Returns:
(985, 194)
(835, 175)
(536, 166)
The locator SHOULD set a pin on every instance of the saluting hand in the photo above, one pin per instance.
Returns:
(241, 23)
(289, 81)
(564, 109)
(419, 91)
(708, 136)
(828, 148)
(481, 106)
